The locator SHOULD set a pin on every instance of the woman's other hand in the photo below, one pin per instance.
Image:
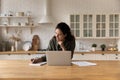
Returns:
(36, 60)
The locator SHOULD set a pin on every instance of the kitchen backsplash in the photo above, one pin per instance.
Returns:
(86, 44)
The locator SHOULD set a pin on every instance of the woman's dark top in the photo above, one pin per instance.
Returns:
(54, 46)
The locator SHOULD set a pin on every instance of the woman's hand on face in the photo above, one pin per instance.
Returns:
(61, 45)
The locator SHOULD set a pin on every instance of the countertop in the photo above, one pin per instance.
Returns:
(76, 52)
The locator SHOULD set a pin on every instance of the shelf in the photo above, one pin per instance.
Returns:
(8, 24)
(15, 16)
(11, 26)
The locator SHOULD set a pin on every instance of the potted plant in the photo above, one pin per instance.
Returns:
(103, 46)
(94, 46)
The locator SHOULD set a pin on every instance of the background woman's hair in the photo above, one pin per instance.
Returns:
(66, 30)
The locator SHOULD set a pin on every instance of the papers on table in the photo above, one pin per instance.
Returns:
(79, 63)
(37, 64)
(84, 63)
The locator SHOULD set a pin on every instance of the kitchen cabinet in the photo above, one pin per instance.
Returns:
(84, 56)
(27, 55)
(118, 56)
(107, 55)
(75, 25)
(94, 57)
(114, 25)
(19, 56)
(16, 22)
(87, 25)
(95, 25)
(75, 57)
(100, 25)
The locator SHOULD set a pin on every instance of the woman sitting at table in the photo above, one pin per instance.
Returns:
(63, 40)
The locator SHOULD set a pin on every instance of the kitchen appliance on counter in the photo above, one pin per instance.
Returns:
(112, 47)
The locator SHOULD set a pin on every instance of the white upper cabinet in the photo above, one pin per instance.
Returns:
(100, 25)
(87, 26)
(95, 25)
(114, 25)
(75, 25)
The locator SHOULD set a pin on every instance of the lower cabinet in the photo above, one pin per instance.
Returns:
(106, 57)
(19, 56)
(84, 57)
(96, 57)
(75, 56)
(118, 56)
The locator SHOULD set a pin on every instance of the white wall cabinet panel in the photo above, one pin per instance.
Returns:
(100, 25)
(95, 25)
(114, 25)
(87, 25)
(75, 25)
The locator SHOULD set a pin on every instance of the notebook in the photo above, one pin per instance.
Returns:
(58, 58)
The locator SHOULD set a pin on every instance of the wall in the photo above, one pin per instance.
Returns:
(36, 7)
(60, 10)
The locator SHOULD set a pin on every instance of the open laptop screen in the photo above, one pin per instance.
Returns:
(58, 58)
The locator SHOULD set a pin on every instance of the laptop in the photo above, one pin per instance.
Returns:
(58, 58)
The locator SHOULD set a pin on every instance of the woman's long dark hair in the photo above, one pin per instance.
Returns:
(66, 30)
